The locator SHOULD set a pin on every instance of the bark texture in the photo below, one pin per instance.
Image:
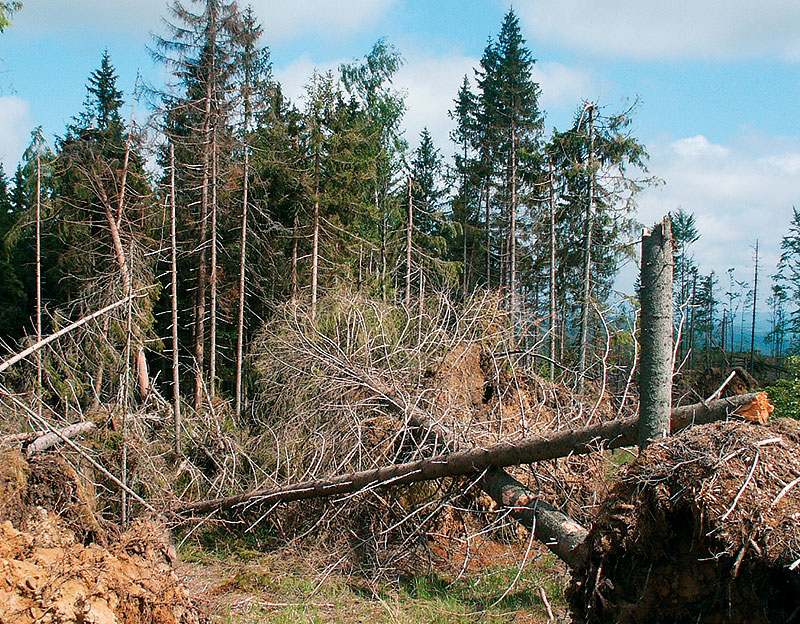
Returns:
(655, 385)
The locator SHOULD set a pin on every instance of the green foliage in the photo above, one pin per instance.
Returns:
(785, 393)
(7, 9)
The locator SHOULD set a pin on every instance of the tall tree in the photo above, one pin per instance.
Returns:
(510, 111)
(199, 50)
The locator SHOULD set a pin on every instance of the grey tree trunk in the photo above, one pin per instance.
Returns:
(242, 268)
(39, 281)
(176, 377)
(409, 236)
(553, 319)
(655, 376)
(587, 259)
(212, 348)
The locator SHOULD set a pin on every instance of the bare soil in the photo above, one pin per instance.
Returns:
(703, 527)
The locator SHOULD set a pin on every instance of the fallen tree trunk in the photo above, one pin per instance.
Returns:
(556, 530)
(612, 434)
(48, 440)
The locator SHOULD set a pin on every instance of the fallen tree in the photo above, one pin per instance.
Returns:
(612, 434)
(41, 440)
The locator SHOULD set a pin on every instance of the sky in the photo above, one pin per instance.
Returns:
(717, 85)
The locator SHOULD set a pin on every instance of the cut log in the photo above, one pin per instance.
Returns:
(48, 440)
(612, 434)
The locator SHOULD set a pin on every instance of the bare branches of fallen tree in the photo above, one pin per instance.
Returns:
(611, 434)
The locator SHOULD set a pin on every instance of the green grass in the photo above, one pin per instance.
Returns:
(252, 588)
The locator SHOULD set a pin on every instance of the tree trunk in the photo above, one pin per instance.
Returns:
(315, 241)
(753, 326)
(562, 535)
(49, 440)
(202, 276)
(409, 233)
(242, 286)
(295, 242)
(655, 372)
(552, 311)
(176, 377)
(38, 279)
(587, 259)
(488, 239)
(512, 233)
(212, 347)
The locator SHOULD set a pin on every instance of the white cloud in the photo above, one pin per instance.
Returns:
(431, 85)
(668, 30)
(737, 196)
(282, 19)
(16, 123)
(285, 19)
(562, 86)
(296, 75)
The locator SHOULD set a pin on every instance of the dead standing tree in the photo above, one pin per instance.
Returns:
(655, 385)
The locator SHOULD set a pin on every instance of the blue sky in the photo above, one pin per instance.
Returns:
(719, 83)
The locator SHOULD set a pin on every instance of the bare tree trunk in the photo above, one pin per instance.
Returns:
(488, 240)
(212, 349)
(384, 246)
(409, 233)
(587, 258)
(295, 242)
(655, 373)
(176, 376)
(562, 535)
(34, 348)
(753, 326)
(315, 241)
(49, 440)
(38, 281)
(552, 311)
(512, 234)
(242, 268)
(202, 276)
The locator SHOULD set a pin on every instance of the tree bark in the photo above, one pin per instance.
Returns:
(242, 286)
(655, 372)
(315, 240)
(65, 330)
(512, 234)
(587, 259)
(212, 347)
(49, 440)
(409, 233)
(39, 278)
(553, 319)
(176, 377)
(561, 534)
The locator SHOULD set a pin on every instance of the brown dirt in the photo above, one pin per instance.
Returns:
(56, 563)
(47, 577)
(703, 527)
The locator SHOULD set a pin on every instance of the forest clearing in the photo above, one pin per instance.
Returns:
(264, 362)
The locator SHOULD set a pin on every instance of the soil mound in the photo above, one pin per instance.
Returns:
(48, 577)
(703, 527)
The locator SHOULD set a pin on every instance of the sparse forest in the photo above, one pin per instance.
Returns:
(353, 380)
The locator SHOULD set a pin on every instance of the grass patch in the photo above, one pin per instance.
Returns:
(286, 588)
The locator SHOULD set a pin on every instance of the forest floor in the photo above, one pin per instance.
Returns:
(235, 585)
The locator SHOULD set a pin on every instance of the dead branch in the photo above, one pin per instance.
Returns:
(561, 534)
(46, 341)
(48, 440)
